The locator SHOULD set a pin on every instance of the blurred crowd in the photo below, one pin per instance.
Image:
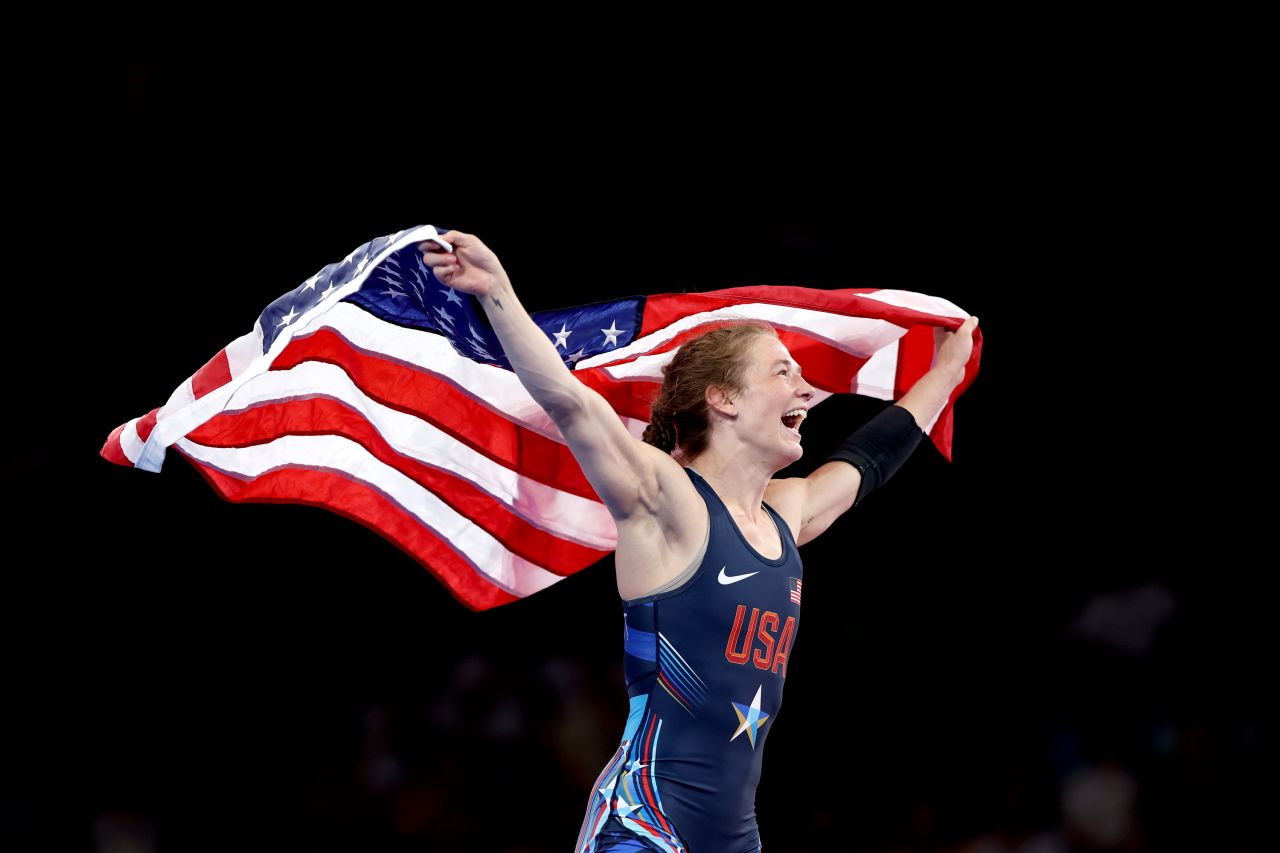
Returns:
(501, 759)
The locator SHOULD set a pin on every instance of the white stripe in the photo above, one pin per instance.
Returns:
(130, 444)
(567, 515)
(883, 385)
(917, 302)
(486, 555)
(673, 650)
(181, 398)
(243, 350)
(645, 367)
(878, 376)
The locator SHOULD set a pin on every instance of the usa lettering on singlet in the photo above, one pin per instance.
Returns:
(705, 665)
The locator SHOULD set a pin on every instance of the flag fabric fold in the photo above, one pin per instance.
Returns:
(377, 392)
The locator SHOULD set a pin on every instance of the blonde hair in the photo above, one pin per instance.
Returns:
(679, 416)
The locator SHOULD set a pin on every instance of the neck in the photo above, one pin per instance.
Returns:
(739, 480)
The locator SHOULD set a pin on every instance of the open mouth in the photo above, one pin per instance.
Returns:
(791, 420)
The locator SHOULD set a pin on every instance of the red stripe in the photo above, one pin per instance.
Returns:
(361, 503)
(323, 416)
(663, 309)
(631, 398)
(943, 429)
(215, 373)
(111, 450)
(822, 365)
(146, 423)
(440, 403)
(675, 691)
(644, 777)
(915, 357)
(589, 824)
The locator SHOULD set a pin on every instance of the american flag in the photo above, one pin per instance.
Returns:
(376, 392)
(793, 585)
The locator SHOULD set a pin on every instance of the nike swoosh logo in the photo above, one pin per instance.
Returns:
(728, 579)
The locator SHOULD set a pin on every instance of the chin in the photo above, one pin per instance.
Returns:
(794, 451)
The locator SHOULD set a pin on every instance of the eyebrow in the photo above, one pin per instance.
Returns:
(788, 363)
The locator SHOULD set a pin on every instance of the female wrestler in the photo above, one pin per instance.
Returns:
(707, 565)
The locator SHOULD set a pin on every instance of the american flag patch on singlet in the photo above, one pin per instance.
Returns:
(793, 584)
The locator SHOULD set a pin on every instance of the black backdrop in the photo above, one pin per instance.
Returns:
(977, 639)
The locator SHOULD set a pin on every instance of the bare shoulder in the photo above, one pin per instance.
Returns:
(657, 543)
(671, 497)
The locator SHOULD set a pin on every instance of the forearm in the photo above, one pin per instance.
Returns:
(930, 393)
(529, 350)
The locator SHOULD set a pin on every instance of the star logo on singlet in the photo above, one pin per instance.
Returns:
(749, 718)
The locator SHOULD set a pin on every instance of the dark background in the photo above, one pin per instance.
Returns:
(1048, 644)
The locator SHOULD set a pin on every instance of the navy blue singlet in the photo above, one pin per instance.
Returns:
(705, 665)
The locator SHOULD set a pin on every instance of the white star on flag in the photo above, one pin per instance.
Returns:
(562, 336)
(611, 333)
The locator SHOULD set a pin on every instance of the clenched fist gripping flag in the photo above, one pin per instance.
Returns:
(374, 391)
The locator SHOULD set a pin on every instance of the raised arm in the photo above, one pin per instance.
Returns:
(875, 452)
(619, 467)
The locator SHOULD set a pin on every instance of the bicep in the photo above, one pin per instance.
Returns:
(621, 468)
(822, 497)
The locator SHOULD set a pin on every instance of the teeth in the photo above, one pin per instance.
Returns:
(800, 414)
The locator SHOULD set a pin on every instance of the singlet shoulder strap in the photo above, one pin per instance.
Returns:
(784, 529)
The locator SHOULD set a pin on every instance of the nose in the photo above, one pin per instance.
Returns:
(807, 393)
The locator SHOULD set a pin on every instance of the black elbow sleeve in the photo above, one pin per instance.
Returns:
(879, 447)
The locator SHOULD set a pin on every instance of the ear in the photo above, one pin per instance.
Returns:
(719, 399)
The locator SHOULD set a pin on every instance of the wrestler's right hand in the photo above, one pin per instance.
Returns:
(471, 267)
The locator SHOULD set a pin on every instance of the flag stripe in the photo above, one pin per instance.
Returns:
(365, 505)
(346, 460)
(437, 400)
(497, 389)
(440, 464)
(215, 374)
